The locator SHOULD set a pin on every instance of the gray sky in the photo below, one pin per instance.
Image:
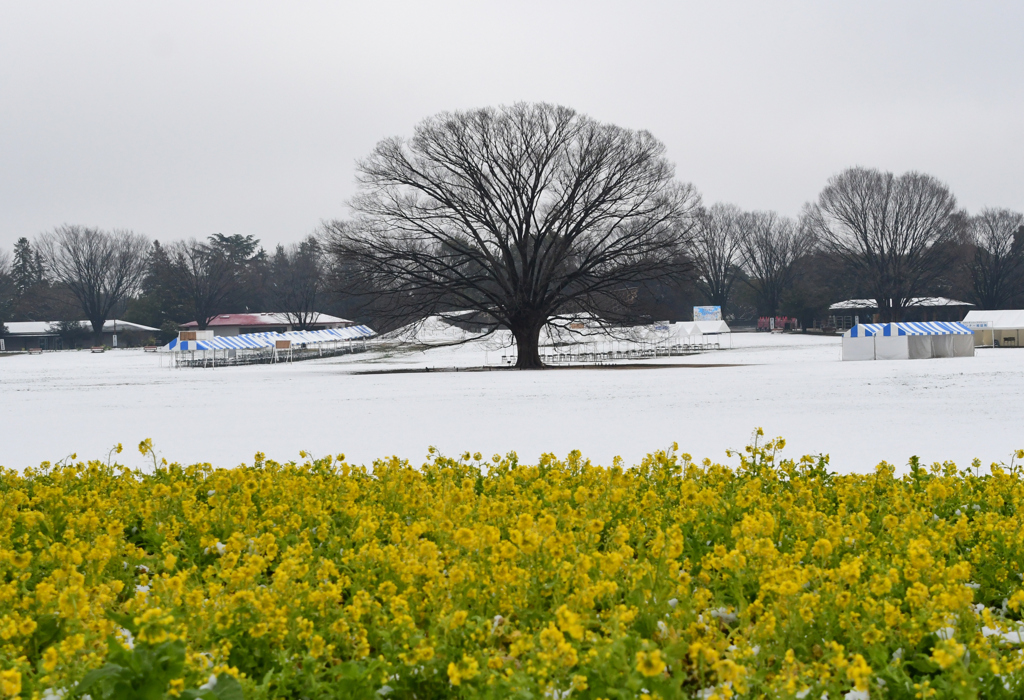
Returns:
(181, 119)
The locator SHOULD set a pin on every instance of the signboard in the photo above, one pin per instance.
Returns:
(707, 313)
(195, 335)
(973, 325)
(661, 326)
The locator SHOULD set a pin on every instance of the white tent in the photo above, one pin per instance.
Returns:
(699, 332)
(1000, 328)
(907, 341)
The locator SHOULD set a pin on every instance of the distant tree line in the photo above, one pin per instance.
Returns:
(75, 273)
(521, 214)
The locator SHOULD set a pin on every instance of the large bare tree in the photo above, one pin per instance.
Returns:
(100, 268)
(770, 245)
(519, 212)
(893, 232)
(716, 252)
(997, 266)
(203, 278)
(298, 281)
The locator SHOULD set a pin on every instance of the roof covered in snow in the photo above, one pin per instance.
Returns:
(1004, 319)
(37, 328)
(919, 302)
(264, 319)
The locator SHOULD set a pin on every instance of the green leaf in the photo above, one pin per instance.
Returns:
(923, 664)
(95, 676)
(197, 695)
(228, 688)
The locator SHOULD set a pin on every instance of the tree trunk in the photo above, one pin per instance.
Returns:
(97, 331)
(884, 309)
(528, 346)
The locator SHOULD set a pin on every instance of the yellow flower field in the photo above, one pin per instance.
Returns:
(488, 578)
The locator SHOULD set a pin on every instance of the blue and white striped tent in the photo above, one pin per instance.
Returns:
(907, 341)
(221, 342)
(264, 341)
(907, 328)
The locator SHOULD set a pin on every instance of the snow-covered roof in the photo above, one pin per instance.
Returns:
(927, 302)
(29, 328)
(263, 319)
(1002, 319)
(119, 325)
(34, 328)
(867, 330)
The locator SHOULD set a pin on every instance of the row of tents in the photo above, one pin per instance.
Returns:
(907, 341)
(327, 337)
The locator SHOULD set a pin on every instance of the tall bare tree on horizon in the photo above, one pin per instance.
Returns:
(203, 278)
(299, 282)
(520, 213)
(716, 250)
(100, 268)
(8, 290)
(893, 232)
(771, 245)
(997, 265)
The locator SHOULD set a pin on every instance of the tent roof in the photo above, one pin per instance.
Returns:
(253, 341)
(712, 327)
(865, 330)
(1003, 319)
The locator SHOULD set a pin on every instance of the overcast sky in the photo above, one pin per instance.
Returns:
(182, 119)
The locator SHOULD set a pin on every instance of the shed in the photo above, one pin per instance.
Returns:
(997, 328)
(907, 341)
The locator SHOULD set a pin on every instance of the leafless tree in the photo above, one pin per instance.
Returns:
(8, 291)
(716, 252)
(100, 268)
(891, 231)
(771, 245)
(519, 212)
(298, 282)
(997, 266)
(202, 277)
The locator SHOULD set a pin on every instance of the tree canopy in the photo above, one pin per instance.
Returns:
(520, 213)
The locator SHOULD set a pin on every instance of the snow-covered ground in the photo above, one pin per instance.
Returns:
(793, 385)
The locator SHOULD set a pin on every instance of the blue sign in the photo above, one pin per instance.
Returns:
(707, 313)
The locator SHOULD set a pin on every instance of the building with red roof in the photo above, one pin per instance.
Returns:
(237, 324)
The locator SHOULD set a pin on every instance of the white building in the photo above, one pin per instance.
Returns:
(43, 335)
(999, 328)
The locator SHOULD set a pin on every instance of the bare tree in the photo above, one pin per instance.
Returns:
(8, 291)
(101, 269)
(298, 282)
(892, 232)
(997, 266)
(716, 252)
(519, 212)
(771, 245)
(202, 277)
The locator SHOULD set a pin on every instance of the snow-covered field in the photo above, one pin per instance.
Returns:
(793, 385)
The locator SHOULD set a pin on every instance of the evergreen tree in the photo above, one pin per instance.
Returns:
(24, 269)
